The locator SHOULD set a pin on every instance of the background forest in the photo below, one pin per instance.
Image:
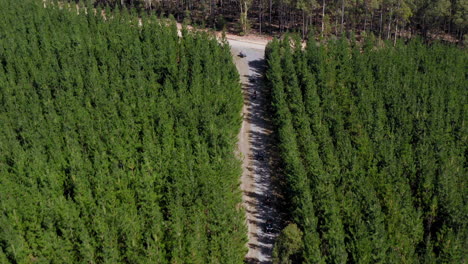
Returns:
(374, 144)
(116, 141)
(447, 19)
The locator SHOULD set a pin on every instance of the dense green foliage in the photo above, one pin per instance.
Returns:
(287, 245)
(116, 141)
(374, 144)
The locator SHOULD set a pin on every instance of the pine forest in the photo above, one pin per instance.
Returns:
(116, 141)
(373, 142)
(128, 137)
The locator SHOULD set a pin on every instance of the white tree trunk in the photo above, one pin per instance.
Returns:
(323, 17)
(396, 33)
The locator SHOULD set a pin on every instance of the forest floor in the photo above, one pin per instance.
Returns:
(256, 145)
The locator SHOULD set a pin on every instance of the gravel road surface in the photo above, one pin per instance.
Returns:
(255, 141)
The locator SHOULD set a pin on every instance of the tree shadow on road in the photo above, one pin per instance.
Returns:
(263, 162)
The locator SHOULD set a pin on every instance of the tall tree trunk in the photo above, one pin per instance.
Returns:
(281, 17)
(211, 8)
(365, 20)
(246, 16)
(336, 25)
(303, 24)
(342, 15)
(260, 14)
(396, 33)
(311, 22)
(292, 20)
(389, 23)
(323, 16)
(271, 7)
(381, 21)
(243, 15)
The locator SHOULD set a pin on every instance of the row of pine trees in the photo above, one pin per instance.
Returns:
(116, 140)
(373, 140)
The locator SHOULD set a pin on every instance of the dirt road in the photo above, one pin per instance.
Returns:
(255, 141)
